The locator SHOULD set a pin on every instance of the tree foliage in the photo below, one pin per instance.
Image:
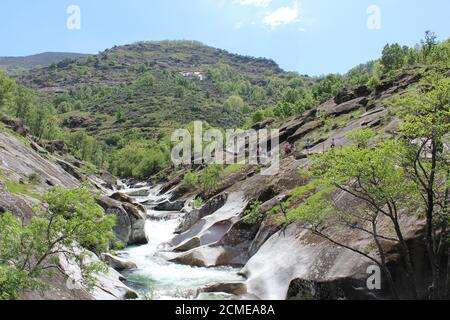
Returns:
(31, 250)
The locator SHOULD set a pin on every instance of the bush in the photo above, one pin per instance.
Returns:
(190, 180)
(209, 179)
(34, 178)
(253, 215)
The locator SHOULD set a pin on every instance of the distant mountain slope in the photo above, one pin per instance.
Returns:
(36, 60)
(151, 85)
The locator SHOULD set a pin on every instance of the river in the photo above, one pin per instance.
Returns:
(156, 278)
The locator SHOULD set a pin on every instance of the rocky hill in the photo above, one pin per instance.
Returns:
(152, 85)
(15, 65)
(27, 172)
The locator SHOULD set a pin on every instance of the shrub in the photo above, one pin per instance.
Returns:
(253, 215)
(209, 179)
(190, 180)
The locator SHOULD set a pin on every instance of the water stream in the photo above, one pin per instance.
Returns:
(157, 278)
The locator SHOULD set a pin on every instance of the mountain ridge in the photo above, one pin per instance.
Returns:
(35, 60)
(157, 82)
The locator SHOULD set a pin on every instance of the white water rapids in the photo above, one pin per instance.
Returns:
(157, 278)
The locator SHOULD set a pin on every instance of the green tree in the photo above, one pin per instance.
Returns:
(393, 57)
(190, 180)
(30, 250)
(426, 114)
(120, 115)
(210, 178)
(374, 176)
(234, 103)
(24, 103)
(428, 43)
(44, 122)
(7, 92)
(258, 116)
(328, 87)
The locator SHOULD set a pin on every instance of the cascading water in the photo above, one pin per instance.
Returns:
(157, 278)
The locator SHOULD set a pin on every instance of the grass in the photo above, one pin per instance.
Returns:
(24, 189)
(232, 168)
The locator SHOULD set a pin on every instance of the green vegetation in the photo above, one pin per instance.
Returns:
(197, 203)
(390, 178)
(30, 250)
(22, 188)
(207, 180)
(253, 215)
(123, 104)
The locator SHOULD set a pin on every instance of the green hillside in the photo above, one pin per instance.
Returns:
(152, 85)
(15, 65)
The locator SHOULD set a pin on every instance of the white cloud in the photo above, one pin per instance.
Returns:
(283, 15)
(255, 3)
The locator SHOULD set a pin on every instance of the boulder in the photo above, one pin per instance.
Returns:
(16, 125)
(289, 128)
(348, 95)
(130, 228)
(263, 125)
(70, 169)
(208, 208)
(108, 178)
(135, 220)
(212, 228)
(15, 204)
(75, 122)
(304, 130)
(123, 227)
(117, 263)
(54, 146)
(347, 107)
(234, 288)
(170, 206)
(124, 198)
(145, 192)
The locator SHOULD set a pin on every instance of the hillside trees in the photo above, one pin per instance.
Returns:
(393, 57)
(140, 159)
(7, 92)
(234, 103)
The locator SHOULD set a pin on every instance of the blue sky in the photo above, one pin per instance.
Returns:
(308, 36)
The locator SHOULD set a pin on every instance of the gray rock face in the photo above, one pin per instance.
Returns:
(212, 228)
(16, 125)
(117, 263)
(304, 130)
(16, 204)
(130, 223)
(295, 264)
(170, 206)
(18, 161)
(122, 230)
(291, 255)
(211, 206)
(331, 109)
(234, 288)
